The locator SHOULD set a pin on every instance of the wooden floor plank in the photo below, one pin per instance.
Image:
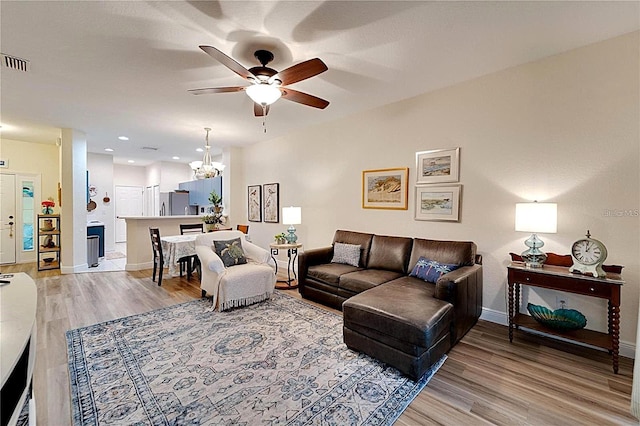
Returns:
(485, 381)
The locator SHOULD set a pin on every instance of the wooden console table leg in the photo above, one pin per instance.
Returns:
(511, 313)
(614, 315)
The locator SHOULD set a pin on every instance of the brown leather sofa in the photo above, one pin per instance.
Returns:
(399, 319)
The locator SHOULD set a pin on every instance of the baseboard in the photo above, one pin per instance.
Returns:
(138, 266)
(73, 269)
(627, 349)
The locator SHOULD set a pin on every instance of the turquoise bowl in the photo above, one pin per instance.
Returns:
(560, 319)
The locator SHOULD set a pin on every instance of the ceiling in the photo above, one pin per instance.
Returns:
(112, 68)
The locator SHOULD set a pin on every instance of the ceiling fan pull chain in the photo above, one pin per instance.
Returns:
(264, 117)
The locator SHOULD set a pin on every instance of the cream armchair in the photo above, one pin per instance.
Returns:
(238, 285)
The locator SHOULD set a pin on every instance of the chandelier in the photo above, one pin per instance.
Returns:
(206, 168)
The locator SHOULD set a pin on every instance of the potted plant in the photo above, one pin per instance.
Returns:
(216, 200)
(211, 221)
(214, 219)
(280, 238)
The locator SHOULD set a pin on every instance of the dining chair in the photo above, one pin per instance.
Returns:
(192, 262)
(191, 228)
(243, 228)
(158, 259)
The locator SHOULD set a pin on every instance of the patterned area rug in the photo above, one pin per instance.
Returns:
(281, 361)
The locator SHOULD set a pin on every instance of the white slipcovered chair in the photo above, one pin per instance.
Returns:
(238, 285)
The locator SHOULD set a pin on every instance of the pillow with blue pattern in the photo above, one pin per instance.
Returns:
(430, 270)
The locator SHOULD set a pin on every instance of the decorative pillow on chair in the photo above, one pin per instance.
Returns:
(346, 253)
(430, 270)
(230, 252)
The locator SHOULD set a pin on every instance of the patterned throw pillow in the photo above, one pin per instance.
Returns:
(230, 252)
(430, 270)
(348, 254)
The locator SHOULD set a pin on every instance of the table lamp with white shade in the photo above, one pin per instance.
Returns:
(291, 216)
(536, 218)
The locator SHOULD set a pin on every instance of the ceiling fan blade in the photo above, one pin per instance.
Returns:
(303, 98)
(258, 111)
(216, 90)
(228, 62)
(300, 71)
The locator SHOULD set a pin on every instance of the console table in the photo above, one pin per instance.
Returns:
(292, 255)
(559, 278)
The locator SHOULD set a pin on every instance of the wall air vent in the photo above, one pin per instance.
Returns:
(15, 63)
(150, 148)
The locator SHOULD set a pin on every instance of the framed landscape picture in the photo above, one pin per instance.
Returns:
(254, 207)
(271, 198)
(385, 188)
(438, 166)
(438, 202)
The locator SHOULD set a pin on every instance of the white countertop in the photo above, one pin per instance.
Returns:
(188, 216)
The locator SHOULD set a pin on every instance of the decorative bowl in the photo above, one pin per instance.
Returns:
(560, 319)
(48, 259)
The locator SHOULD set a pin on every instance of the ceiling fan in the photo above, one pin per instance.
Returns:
(268, 85)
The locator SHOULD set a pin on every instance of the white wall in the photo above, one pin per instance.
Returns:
(101, 175)
(42, 159)
(124, 175)
(563, 129)
(171, 174)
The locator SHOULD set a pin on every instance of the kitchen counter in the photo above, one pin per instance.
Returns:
(139, 254)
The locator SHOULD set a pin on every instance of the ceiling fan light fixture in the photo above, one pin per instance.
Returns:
(263, 93)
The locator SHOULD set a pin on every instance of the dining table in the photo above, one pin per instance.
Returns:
(176, 247)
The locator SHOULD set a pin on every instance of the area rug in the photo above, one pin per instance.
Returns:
(281, 361)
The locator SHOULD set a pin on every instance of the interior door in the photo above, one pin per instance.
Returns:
(129, 202)
(8, 230)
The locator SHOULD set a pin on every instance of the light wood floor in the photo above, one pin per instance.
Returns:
(485, 380)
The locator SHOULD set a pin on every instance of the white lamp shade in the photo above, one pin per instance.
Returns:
(291, 215)
(263, 93)
(195, 165)
(537, 217)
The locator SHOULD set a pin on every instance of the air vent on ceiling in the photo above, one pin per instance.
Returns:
(15, 63)
(150, 148)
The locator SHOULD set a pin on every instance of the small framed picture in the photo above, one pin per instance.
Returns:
(385, 188)
(254, 207)
(438, 166)
(271, 198)
(438, 203)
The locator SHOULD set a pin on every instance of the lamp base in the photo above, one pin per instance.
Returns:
(533, 260)
(533, 257)
(291, 237)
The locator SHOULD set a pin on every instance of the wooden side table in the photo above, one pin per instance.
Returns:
(559, 278)
(292, 255)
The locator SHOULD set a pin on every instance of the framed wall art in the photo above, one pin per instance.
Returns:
(438, 202)
(271, 199)
(254, 207)
(385, 188)
(438, 166)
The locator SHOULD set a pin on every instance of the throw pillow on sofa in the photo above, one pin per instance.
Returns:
(230, 252)
(430, 270)
(348, 254)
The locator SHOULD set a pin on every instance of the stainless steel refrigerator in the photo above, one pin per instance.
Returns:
(174, 203)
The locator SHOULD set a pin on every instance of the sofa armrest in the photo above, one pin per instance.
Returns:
(312, 257)
(463, 289)
(209, 259)
(256, 253)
